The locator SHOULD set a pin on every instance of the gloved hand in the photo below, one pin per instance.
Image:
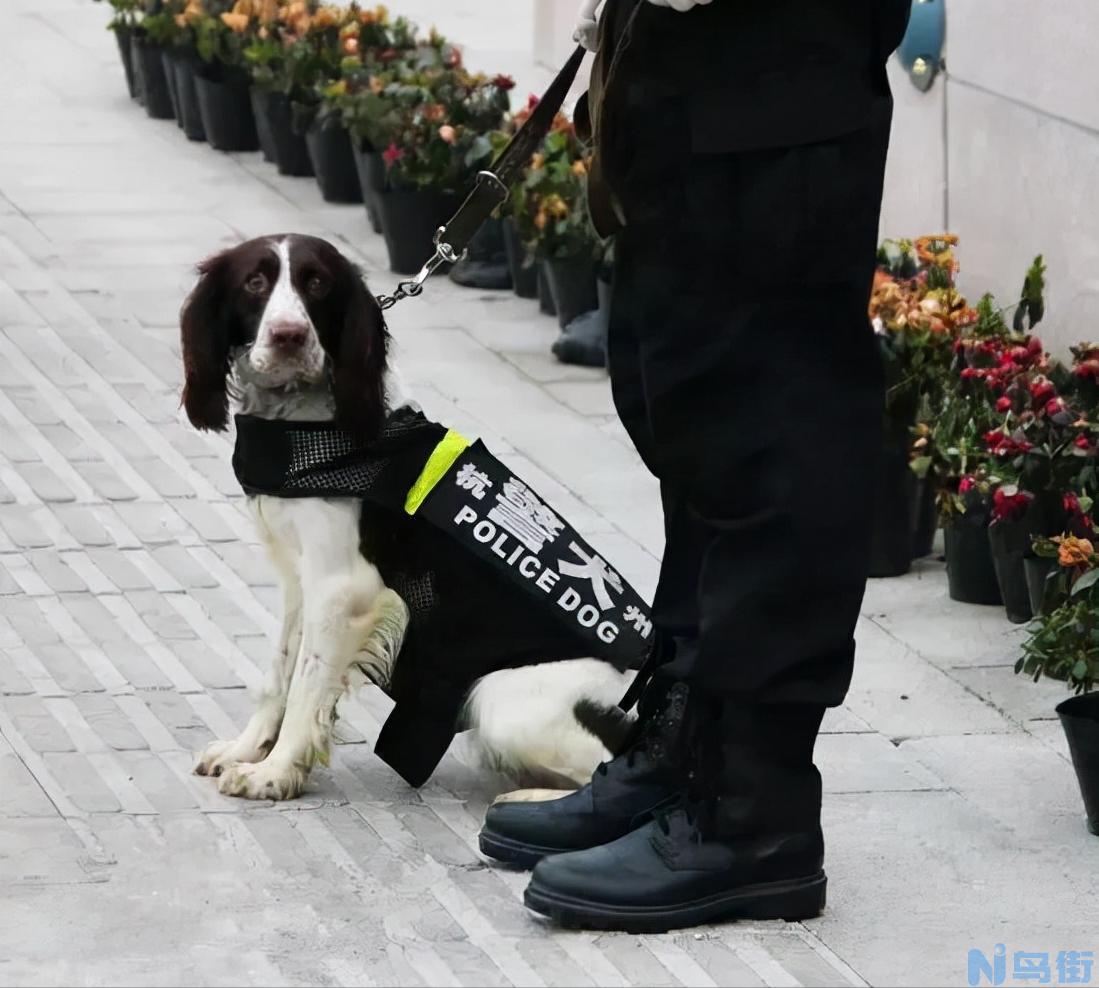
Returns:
(680, 5)
(586, 24)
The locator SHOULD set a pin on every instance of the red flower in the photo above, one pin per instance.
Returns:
(504, 82)
(388, 54)
(1055, 406)
(1003, 404)
(1088, 368)
(1082, 442)
(966, 484)
(532, 101)
(1071, 503)
(995, 437)
(1008, 507)
(392, 154)
(1034, 346)
(1041, 390)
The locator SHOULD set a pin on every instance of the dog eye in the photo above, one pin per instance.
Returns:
(316, 286)
(256, 284)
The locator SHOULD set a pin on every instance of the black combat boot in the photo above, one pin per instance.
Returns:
(744, 844)
(623, 793)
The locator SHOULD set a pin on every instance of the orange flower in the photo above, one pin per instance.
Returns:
(1074, 551)
(540, 219)
(434, 113)
(376, 85)
(237, 23)
(326, 17)
(351, 46)
(538, 161)
(579, 168)
(937, 250)
(448, 134)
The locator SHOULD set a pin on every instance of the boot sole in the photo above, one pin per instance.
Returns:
(793, 900)
(515, 852)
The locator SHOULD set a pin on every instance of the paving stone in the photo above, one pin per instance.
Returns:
(121, 572)
(104, 480)
(82, 525)
(184, 567)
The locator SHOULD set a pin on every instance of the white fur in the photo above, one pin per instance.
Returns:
(339, 619)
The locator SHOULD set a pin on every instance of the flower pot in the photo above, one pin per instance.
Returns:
(971, 576)
(524, 269)
(1080, 720)
(154, 80)
(572, 285)
(1009, 542)
(227, 112)
(333, 162)
(410, 218)
(925, 519)
(168, 57)
(126, 56)
(545, 296)
(259, 99)
(1037, 570)
(894, 493)
(274, 123)
(190, 115)
(485, 265)
(371, 169)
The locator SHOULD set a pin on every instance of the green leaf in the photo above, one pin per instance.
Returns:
(1080, 670)
(1085, 581)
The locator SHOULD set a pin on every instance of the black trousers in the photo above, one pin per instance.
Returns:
(745, 370)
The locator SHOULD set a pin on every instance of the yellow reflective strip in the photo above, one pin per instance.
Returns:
(441, 459)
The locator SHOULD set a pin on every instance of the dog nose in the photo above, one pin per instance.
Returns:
(289, 336)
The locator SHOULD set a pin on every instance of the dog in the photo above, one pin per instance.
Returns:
(284, 327)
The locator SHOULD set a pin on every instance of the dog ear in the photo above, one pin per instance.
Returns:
(358, 369)
(204, 337)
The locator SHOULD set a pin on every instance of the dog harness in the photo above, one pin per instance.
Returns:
(492, 576)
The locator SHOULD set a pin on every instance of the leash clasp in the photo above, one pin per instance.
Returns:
(411, 287)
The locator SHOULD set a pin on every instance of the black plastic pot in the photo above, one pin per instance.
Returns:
(410, 218)
(333, 161)
(1080, 720)
(545, 296)
(291, 151)
(572, 285)
(168, 57)
(1037, 569)
(524, 269)
(227, 112)
(154, 80)
(894, 493)
(971, 576)
(1009, 541)
(925, 519)
(126, 56)
(190, 114)
(260, 111)
(371, 169)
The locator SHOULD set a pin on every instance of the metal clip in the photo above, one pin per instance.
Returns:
(411, 287)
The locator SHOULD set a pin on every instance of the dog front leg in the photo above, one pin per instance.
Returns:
(262, 731)
(339, 618)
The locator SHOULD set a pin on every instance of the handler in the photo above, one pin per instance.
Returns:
(742, 144)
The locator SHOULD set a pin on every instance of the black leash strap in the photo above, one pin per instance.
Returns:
(492, 185)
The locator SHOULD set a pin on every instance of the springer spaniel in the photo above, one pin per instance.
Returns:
(285, 327)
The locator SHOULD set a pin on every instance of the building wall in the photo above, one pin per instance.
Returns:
(1019, 108)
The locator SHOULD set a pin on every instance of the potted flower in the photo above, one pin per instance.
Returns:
(555, 224)
(917, 313)
(1063, 644)
(181, 63)
(122, 23)
(965, 514)
(432, 123)
(154, 35)
(221, 80)
(372, 46)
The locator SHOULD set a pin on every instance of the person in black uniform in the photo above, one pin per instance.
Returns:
(744, 144)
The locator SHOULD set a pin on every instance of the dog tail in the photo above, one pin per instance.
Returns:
(611, 725)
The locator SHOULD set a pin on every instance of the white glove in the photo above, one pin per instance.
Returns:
(680, 5)
(586, 24)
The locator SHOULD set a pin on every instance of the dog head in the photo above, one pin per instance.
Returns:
(289, 311)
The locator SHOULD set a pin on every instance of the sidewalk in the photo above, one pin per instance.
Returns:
(136, 611)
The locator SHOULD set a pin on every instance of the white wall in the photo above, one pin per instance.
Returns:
(1020, 108)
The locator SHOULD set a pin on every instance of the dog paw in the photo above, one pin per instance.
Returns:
(262, 780)
(221, 755)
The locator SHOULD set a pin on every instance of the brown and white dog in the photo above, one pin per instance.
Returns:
(285, 328)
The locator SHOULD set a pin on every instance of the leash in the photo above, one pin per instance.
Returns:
(492, 185)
